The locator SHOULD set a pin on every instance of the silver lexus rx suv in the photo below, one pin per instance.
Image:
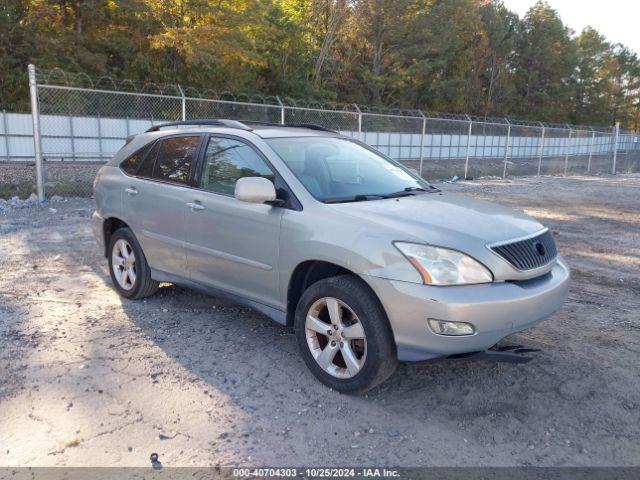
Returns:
(367, 261)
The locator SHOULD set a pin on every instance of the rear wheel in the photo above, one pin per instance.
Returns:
(344, 335)
(128, 266)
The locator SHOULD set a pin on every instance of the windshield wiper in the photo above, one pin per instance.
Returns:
(432, 189)
(408, 191)
(355, 198)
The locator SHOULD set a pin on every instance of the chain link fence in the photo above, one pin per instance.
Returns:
(79, 123)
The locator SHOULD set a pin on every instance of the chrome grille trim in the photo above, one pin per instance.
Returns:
(528, 253)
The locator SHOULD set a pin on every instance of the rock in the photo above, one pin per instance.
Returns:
(56, 198)
(53, 210)
(33, 198)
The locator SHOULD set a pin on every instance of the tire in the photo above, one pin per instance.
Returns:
(372, 359)
(139, 284)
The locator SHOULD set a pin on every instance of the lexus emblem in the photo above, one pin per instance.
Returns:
(540, 249)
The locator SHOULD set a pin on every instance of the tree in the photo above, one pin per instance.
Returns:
(545, 62)
(501, 27)
(440, 57)
(590, 79)
(283, 44)
(16, 45)
(622, 91)
(460, 56)
(328, 16)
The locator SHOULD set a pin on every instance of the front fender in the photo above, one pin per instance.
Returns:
(375, 256)
(332, 240)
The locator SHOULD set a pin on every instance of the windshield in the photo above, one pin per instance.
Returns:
(337, 169)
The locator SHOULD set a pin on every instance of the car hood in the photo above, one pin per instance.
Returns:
(439, 219)
(443, 219)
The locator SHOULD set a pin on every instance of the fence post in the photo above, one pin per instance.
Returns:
(72, 138)
(37, 140)
(466, 160)
(184, 103)
(360, 137)
(6, 134)
(422, 137)
(616, 131)
(99, 137)
(566, 153)
(593, 137)
(282, 112)
(541, 149)
(506, 150)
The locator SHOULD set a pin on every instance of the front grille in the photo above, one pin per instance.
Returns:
(529, 253)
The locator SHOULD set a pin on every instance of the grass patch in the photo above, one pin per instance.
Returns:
(64, 189)
(22, 191)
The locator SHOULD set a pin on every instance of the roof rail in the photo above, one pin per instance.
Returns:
(311, 126)
(206, 122)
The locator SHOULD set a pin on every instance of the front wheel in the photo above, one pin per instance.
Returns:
(344, 335)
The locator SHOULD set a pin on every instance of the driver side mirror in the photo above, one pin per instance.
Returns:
(256, 190)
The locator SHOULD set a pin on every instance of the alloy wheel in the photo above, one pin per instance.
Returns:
(123, 261)
(335, 337)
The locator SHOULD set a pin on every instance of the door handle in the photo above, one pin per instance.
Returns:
(131, 191)
(195, 205)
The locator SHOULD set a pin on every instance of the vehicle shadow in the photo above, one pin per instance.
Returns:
(238, 351)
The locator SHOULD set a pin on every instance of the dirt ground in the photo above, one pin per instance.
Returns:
(87, 378)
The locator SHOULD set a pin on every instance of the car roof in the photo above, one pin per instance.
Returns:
(228, 127)
(261, 129)
(270, 131)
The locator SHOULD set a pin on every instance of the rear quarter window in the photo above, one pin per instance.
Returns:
(132, 164)
(146, 169)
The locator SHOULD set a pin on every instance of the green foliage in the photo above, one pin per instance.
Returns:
(546, 61)
(471, 56)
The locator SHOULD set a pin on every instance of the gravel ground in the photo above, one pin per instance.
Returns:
(87, 378)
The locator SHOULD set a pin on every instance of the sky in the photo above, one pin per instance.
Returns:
(617, 20)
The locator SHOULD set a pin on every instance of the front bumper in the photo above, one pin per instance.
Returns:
(495, 309)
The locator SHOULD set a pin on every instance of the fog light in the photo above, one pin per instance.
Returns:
(442, 327)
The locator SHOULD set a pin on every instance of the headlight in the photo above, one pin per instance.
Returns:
(441, 266)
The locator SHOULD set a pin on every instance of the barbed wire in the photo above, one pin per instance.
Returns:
(59, 77)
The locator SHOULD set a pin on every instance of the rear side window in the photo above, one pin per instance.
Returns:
(227, 160)
(146, 169)
(175, 159)
(132, 164)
